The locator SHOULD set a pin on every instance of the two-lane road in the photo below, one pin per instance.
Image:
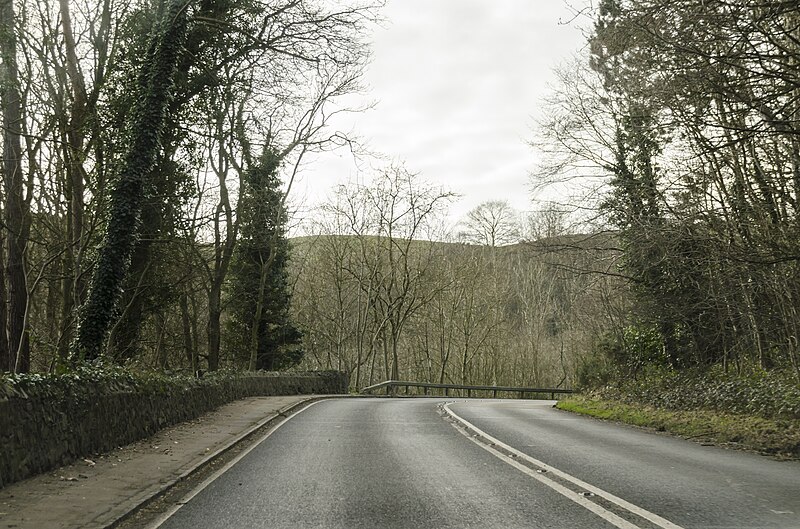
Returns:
(412, 463)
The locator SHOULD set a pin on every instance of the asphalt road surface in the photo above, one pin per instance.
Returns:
(437, 463)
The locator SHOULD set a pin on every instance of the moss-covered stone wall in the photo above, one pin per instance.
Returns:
(46, 422)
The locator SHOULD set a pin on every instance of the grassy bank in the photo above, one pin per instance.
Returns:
(774, 436)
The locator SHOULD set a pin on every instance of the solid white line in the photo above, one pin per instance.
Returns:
(561, 489)
(635, 509)
(158, 522)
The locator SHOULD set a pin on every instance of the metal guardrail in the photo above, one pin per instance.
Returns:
(392, 385)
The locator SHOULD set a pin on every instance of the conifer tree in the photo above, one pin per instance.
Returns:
(260, 288)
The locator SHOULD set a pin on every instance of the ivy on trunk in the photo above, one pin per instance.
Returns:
(155, 87)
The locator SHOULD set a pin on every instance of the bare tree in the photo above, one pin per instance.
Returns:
(18, 193)
(492, 223)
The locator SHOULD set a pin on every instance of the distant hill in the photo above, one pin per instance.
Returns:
(520, 314)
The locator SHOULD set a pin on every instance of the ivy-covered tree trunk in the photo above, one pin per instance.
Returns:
(259, 312)
(155, 86)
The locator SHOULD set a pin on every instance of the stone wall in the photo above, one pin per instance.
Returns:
(50, 425)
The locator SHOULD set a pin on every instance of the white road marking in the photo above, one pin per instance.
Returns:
(561, 489)
(574, 496)
(197, 490)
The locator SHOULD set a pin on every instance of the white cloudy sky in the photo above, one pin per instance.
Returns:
(457, 84)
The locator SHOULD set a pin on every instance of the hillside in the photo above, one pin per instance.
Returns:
(521, 314)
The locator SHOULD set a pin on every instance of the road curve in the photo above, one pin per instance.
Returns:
(354, 463)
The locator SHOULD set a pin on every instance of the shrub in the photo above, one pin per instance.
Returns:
(768, 394)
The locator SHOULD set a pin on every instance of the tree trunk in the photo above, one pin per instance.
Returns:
(188, 343)
(262, 284)
(213, 330)
(5, 353)
(223, 251)
(16, 208)
(395, 358)
(162, 353)
(385, 345)
(155, 85)
(67, 303)
(74, 149)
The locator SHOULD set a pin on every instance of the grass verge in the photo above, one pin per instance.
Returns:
(776, 437)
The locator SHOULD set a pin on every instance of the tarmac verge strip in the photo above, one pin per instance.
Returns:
(170, 493)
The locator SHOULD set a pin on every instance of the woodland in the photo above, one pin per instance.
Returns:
(686, 116)
(150, 148)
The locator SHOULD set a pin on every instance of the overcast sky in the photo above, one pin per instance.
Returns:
(457, 84)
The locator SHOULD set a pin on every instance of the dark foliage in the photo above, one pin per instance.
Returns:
(704, 179)
(155, 85)
(260, 294)
(765, 394)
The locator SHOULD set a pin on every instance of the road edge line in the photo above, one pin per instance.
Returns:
(221, 450)
(628, 506)
(591, 506)
(161, 519)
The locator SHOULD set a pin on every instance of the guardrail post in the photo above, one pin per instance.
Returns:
(446, 392)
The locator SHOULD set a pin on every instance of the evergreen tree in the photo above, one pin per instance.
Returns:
(260, 294)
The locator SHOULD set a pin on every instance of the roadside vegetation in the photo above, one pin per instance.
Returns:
(381, 307)
(146, 211)
(148, 147)
(775, 437)
(759, 411)
(693, 145)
